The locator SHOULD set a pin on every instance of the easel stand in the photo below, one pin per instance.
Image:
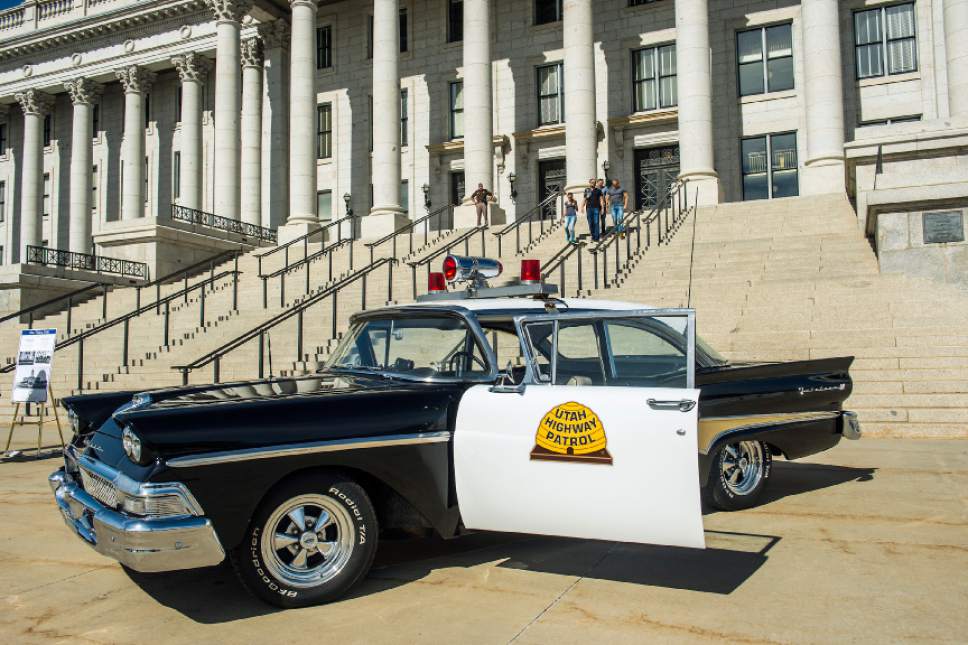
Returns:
(42, 418)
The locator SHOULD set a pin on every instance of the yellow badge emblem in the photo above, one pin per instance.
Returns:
(571, 432)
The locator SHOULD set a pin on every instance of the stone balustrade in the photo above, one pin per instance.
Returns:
(41, 14)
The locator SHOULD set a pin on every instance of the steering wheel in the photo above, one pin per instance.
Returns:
(466, 355)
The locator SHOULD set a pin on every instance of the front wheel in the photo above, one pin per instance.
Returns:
(738, 475)
(310, 541)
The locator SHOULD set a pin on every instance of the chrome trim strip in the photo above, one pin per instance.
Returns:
(794, 416)
(132, 488)
(309, 448)
(770, 420)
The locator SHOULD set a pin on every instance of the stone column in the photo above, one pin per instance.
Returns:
(136, 82)
(228, 79)
(478, 113)
(581, 131)
(956, 45)
(694, 82)
(252, 131)
(824, 167)
(275, 116)
(35, 105)
(192, 70)
(302, 122)
(83, 94)
(386, 215)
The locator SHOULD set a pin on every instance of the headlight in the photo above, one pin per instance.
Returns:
(131, 444)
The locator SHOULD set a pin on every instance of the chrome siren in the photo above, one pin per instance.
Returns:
(459, 268)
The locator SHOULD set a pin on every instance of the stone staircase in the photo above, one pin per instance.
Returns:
(795, 279)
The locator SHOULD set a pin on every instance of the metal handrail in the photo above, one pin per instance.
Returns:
(320, 232)
(409, 228)
(558, 262)
(125, 320)
(307, 261)
(464, 237)
(69, 297)
(217, 222)
(86, 262)
(527, 218)
(214, 357)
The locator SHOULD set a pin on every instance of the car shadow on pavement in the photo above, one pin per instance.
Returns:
(796, 478)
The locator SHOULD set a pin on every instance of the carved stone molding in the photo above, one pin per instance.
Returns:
(135, 79)
(275, 34)
(192, 67)
(35, 102)
(251, 52)
(83, 90)
(232, 10)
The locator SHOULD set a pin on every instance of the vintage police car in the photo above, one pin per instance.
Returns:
(499, 409)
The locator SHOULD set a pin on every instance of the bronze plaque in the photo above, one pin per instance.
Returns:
(942, 227)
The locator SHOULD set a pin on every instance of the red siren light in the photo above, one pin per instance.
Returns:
(530, 271)
(436, 283)
(450, 268)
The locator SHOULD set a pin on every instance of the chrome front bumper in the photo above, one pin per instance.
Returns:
(850, 426)
(142, 544)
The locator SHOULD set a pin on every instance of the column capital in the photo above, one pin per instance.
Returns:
(230, 10)
(83, 91)
(35, 102)
(275, 33)
(192, 67)
(304, 3)
(251, 52)
(135, 80)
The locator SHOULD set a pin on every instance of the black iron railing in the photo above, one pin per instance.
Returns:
(558, 264)
(86, 262)
(318, 235)
(217, 222)
(528, 219)
(261, 332)
(443, 218)
(464, 238)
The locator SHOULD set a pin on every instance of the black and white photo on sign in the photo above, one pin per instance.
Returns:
(34, 364)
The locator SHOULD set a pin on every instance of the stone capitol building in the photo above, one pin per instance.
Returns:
(161, 131)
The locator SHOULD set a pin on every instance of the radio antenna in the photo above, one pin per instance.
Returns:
(692, 252)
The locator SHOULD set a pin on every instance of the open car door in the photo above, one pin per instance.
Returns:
(573, 450)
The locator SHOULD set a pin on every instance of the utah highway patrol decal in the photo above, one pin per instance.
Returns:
(571, 432)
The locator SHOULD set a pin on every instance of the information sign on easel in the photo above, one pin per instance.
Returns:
(31, 383)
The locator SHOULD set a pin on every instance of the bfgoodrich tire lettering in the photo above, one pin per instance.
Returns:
(739, 473)
(310, 541)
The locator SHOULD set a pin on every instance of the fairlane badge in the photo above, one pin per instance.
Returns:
(824, 388)
(571, 432)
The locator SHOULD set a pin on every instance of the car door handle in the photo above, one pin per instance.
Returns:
(683, 405)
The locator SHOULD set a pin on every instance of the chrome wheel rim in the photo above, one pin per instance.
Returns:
(307, 540)
(742, 466)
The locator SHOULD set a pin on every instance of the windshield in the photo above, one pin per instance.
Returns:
(417, 348)
(715, 358)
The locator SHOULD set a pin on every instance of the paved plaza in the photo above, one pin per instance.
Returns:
(865, 543)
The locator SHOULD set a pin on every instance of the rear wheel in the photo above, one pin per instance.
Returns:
(310, 541)
(738, 475)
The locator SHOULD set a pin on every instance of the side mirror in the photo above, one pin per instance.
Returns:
(505, 384)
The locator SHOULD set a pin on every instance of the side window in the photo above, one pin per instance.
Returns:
(649, 352)
(577, 361)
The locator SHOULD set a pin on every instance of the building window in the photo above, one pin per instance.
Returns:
(455, 21)
(457, 110)
(3, 138)
(551, 98)
(46, 194)
(147, 186)
(324, 205)
(96, 118)
(178, 104)
(48, 129)
(546, 11)
(147, 110)
(654, 78)
(405, 195)
(911, 118)
(324, 47)
(404, 32)
(324, 131)
(94, 190)
(639, 3)
(369, 107)
(404, 117)
(3, 201)
(765, 58)
(176, 175)
(896, 44)
(770, 166)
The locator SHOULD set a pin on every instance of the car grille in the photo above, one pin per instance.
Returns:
(100, 488)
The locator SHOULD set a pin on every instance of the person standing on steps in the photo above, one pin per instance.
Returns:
(592, 207)
(481, 197)
(570, 214)
(602, 213)
(618, 201)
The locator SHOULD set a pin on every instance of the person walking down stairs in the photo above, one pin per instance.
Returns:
(570, 214)
(618, 201)
(592, 207)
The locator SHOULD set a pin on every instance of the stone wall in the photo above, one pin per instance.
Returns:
(903, 245)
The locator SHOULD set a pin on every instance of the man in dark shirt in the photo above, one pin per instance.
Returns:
(481, 197)
(592, 206)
